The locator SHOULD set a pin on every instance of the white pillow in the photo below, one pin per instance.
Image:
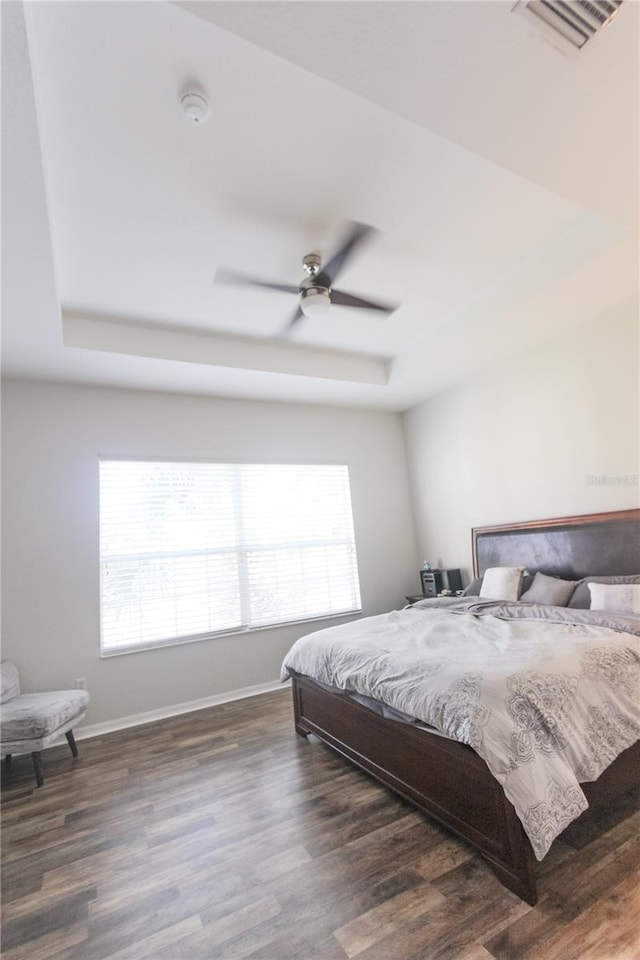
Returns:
(615, 597)
(502, 583)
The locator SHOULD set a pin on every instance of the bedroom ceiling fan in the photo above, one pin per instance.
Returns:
(316, 292)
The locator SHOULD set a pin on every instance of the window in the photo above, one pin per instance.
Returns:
(188, 550)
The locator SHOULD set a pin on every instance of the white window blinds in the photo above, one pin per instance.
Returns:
(192, 549)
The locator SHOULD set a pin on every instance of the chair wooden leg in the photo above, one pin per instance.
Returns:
(37, 766)
(71, 740)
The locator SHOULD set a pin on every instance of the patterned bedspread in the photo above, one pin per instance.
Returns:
(547, 696)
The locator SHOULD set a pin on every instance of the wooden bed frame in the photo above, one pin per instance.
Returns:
(446, 779)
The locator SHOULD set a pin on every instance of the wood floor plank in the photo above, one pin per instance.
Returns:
(221, 835)
(45, 919)
(443, 857)
(50, 945)
(382, 920)
(472, 928)
(280, 863)
(408, 939)
(18, 830)
(311, 942)
(608, 929)
(217, 933)
(40, 901)
(164, 942)
(475, 952)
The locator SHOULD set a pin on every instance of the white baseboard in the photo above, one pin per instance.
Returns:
(110, 726)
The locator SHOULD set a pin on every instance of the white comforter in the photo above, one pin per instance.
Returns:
(547, 697)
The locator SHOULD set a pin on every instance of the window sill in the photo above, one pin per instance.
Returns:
(179, 641)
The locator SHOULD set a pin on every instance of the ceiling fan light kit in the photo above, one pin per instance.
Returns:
(315, 301)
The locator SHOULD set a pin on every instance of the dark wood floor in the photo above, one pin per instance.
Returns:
(221, 834)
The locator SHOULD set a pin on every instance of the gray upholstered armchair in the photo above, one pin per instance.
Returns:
(32, 721)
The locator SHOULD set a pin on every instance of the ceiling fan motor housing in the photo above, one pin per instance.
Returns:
(316, 282)
(312, 263)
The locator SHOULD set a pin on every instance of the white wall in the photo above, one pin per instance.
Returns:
(52, 436)
(519, 441)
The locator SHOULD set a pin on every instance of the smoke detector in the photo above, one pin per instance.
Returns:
(195, 107)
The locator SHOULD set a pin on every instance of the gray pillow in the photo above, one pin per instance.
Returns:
(473, 590)
(581, 599)
(549, 590)
(527, 580)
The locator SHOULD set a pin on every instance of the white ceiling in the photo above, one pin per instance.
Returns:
(500, 173)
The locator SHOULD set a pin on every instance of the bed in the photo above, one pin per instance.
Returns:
(447, 779)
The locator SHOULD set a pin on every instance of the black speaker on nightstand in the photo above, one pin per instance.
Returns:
(453, 580)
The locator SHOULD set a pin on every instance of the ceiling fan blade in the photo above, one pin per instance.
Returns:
(298, 315)
(349, 300)
(356, 235)
(242, 280)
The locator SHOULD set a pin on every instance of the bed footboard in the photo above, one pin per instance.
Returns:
(446, 780)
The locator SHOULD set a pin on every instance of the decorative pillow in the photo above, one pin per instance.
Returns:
(618, 597)
(527, 580)
(9, 681)
(549, 590)
(501, 583)
(581, 598)
(473, 590)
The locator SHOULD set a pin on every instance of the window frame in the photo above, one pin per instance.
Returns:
(243, 549)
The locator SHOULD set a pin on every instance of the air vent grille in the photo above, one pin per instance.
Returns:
(576, 21)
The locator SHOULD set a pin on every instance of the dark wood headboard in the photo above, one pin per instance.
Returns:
(597, 544)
